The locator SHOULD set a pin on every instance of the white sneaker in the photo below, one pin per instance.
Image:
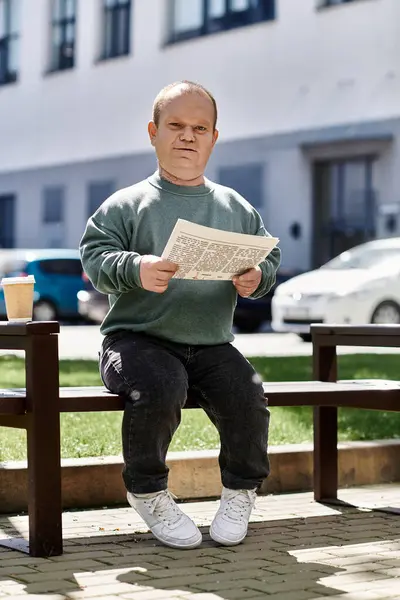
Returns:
(229, 526)
(165, 519)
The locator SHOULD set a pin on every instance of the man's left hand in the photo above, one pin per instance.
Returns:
(247, 283)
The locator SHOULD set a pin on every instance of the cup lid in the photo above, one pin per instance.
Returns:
(12, 280)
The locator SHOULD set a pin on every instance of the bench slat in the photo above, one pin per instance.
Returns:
(26, 329)
(343, 339)
(357, 330)
(374, 394)
(12, 402)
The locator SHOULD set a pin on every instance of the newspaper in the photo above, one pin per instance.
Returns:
(212, 254)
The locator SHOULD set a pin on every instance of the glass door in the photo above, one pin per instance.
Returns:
(344, 206)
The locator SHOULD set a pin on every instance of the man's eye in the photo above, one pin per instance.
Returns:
(201, 128)
(174, 125)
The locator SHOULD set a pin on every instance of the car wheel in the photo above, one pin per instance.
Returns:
(44, 310)
(387, 312)
(306, 337)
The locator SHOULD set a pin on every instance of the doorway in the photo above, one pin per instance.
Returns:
(344, 206)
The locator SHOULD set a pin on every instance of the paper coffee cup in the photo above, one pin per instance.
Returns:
(18, 295)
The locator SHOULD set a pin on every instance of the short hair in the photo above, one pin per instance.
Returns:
(190, 86)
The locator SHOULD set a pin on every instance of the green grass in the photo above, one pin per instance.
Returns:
(96, 434)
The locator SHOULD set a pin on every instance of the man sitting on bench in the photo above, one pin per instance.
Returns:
(166, 336)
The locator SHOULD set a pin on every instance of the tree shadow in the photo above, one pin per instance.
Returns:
(12, 537)
(279, 558)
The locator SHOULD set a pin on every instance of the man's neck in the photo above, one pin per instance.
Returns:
(174, 179)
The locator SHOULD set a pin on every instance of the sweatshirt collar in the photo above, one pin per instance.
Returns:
(180, 190)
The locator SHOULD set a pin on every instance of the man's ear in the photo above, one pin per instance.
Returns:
(152, 129)
(215, 136)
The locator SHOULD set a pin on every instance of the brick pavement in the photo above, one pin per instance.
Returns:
(296, 550)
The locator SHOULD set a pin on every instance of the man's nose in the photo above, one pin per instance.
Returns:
(187, 134)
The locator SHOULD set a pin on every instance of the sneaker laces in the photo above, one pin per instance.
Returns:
(238, 504)
(164, 508)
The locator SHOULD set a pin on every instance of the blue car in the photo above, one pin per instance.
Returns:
(58, 276)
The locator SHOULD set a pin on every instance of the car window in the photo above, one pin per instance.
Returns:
(12, 268)
(61, 266)
(362, 258)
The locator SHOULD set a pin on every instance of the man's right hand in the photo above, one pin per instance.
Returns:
(155, 273)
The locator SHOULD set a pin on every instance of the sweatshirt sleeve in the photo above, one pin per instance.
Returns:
(105, 254)
(269, 266)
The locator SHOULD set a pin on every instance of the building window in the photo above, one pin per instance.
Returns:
(117, 28)
(98, 192)
(63, 34)
(7, 220)
(53, 205)
(53, 233)
(247, 180)
(192, 18)
(324, 3)
(9, 40)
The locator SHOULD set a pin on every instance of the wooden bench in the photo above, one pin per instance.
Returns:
(37, 409)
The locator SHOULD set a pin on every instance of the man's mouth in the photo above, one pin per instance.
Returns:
(186, 149)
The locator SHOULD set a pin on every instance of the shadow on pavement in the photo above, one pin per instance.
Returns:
(290, 559)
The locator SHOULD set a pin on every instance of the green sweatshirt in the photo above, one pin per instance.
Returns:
(138, 220)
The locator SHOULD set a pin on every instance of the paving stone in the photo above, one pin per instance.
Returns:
(156, 595)
(39, 597)
(232, 594)
(296, 550)
(99, 591)
(70, 565)
(350, 596)
(43, 587)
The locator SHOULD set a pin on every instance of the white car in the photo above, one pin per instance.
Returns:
(357, 287)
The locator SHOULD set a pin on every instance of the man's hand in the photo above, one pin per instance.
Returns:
(247, 283)
(155, 273)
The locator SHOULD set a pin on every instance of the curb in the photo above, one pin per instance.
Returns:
(97, 482)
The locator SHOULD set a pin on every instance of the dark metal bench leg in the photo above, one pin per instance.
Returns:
(44, 464)
(325, 427)
(325, 453)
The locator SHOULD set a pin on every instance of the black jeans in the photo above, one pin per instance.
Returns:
(155, 377)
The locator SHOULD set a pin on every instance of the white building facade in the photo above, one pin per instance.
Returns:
(309, 103)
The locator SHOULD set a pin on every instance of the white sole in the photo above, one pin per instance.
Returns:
(220, 540)
(190, 546)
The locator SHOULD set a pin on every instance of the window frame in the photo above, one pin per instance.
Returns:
(60, 62)
(7, 75)
(232, 19)
(112, 16)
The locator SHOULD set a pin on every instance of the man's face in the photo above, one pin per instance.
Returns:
(185, 135)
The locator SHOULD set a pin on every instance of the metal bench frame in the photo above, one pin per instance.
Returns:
(38, 407)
